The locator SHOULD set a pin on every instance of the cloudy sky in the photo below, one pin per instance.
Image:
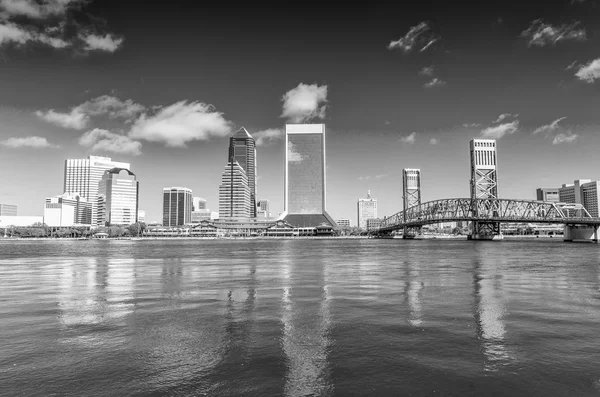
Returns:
(162, 87)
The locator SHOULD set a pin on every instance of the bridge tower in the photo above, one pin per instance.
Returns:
(411, 196)
(484, 185)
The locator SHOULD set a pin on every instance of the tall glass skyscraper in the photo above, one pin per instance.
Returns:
(234, 192)
(177, 206)
(242, 148)
(83, 175)
(304, 187)
(118, 198)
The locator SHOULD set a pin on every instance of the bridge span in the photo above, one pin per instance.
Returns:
(579, 224)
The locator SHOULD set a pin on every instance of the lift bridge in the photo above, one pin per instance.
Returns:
(484, 210)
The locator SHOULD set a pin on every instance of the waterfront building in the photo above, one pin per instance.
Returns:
(262, 209)
(19, 221)
(367, 209)
(304, 177)
(242, 148)
(66, 210)
(8, 210)
(590, 195)
(571, 193)
(373, 223)
(198, 203)
(82, 176)
(234, 192)
(118, 198)
(547, 194)
(177, 206)
(141, 216)
(343, 222)
(200, 215)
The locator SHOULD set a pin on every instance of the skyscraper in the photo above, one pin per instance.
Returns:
(234, 192)
(262, 209)
(177, 206)
(304, 183)
(118, 198)
(242, 148)
(367, 209)
(68, 209)
(83, 175)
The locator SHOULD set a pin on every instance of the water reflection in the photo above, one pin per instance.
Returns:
(413, 289)
(490, 311)
(306, 319)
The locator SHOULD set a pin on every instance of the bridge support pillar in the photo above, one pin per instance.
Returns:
(577, 233)
(486, 231)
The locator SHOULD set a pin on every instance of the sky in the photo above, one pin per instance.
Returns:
(163, 86)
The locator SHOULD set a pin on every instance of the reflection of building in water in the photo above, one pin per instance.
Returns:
(306, 337)
(414, 286)
(489, 315)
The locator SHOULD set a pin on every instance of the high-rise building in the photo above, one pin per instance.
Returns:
(82, 176)
(571, 193)
(141, 216)
(242, 148)
(582, 191)
(343, 222)
(68, 209)
(262, 209)
(234, 192)
(8, 210)
(198, 203)
(484, 177)
(305, 183)
(373, 224)
(547, 194)
(411, 186)
(118, 198)
(177, 206)
(367, 209)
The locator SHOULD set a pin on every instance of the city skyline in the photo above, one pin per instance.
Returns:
(404, 92)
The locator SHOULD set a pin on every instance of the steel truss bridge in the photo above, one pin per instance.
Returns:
(491, 211)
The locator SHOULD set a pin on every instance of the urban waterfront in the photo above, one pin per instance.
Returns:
(299, 317)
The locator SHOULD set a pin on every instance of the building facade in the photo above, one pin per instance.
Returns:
(484, 177)
(304, 178)
(571, 193)
(234, 193)
(198, 203)
(262, 209)
(177, 206)
(68, 209)
(141, 216)
(8, 210)
(343, 222)
(242, 148)
(118, 195)
(366, 209)
(547, 194)
(590, 195)
(373, 224)
(82, 176)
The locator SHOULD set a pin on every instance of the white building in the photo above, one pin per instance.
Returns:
(373, 223)
(8, 210)
(262, 209)
(581, 191)
(234, 193)
(82, 176)
(117, 198)
(68, 209)
(19, 221)
(141, 216)
(198, 203)
(343, 222)
(367, 209)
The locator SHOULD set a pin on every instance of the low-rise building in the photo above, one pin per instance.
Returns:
(343, 222)
(67, 210)
(8, 210)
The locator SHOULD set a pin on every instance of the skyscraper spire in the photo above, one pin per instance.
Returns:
(242, 149)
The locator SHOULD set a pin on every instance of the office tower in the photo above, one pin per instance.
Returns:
(304, 178)
(177, 206)
(367, 209)
(581, 191)
(82, 176)
(198, 203)
(68, 209)
(547, 194)
(234, 192)
(484, 177)
(118, 198)
(8, 210)
(242, 149)
(141, 216)
(262, 209)
(343, 222)
(411, 187)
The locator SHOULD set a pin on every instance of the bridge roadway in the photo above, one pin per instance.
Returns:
(488, 211)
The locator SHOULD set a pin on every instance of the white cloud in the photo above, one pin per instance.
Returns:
(37, 9)
(589, 72)
(106, 141)
(108, 42)
(75, 119)
(426, 71)
(12, 33)
(409, 138)
(435, 82)
(505, 116)
(35, 142)
(372, 177)
(541, 34)
(471, 125)
(498, 131)
(418, 36)
(266, 136)
(305, 102)
(182, 122)
(433, 141)
(572, 65)
(548, 128)
(564, 138)
(293, 156)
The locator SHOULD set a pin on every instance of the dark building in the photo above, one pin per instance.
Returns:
(177, 206)
(548, 194)
(242, 148)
